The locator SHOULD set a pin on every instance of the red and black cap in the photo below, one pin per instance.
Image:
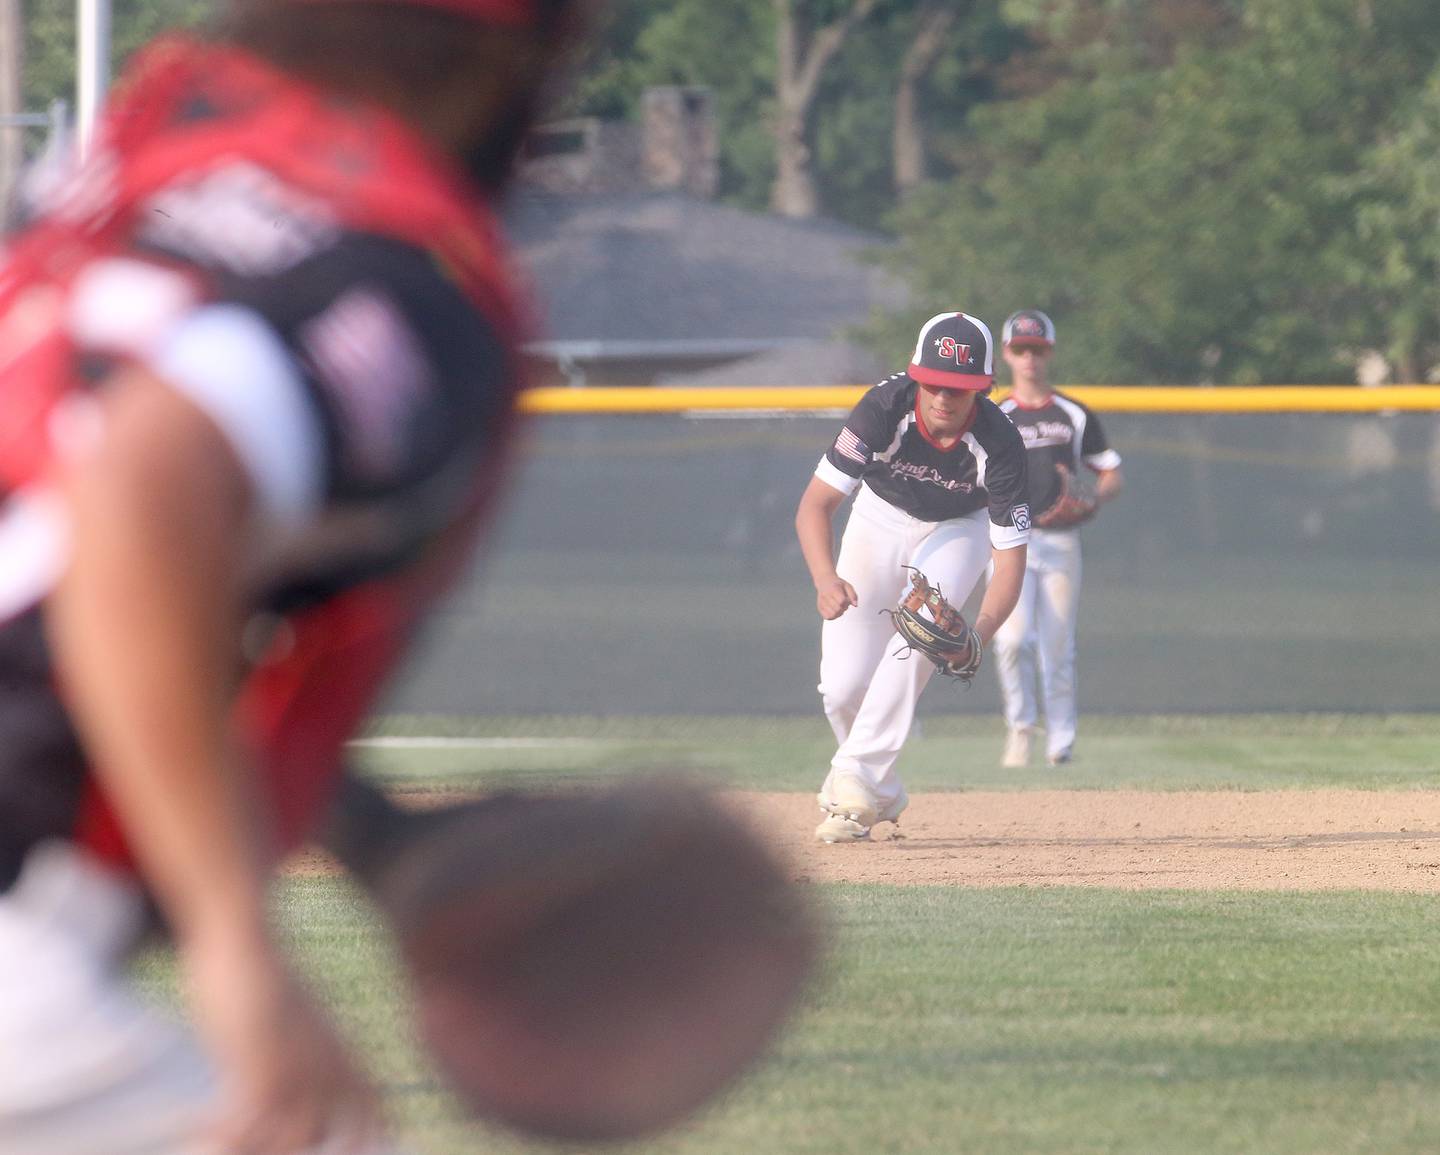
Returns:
(955, 351)
(1028, 327)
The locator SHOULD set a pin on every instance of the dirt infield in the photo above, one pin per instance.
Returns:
(1133, 840)
(1276, 840)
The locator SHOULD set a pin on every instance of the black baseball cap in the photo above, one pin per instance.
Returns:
(954, 351)
(1028, 327)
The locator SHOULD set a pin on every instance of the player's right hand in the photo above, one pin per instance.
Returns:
(287, 1083)
(834, 597)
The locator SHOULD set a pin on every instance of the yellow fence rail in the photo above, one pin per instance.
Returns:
(1103, 398)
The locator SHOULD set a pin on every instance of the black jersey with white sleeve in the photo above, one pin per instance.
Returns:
(885, 445)
(1063, 431)
(359, 388)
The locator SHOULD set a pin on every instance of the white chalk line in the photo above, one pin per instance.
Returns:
(431, 743)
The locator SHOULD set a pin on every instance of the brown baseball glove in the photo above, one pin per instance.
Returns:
(1076, 504)
(931, 625)
(588, 965)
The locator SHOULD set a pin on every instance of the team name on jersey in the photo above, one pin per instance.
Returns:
(930, 475)
(1046, 433)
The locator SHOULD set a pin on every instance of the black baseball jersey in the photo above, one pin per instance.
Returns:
(363, 363)
(358, 387)
(885, 444)
(1063, 431)
(409, 386)
(336, 303)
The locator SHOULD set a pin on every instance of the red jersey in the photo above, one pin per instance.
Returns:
(333, 293)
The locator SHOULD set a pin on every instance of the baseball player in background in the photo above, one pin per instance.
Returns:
(1064, 443)
(938, 475)
(258, 366)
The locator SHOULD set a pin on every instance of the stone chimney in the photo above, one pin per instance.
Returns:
(679, 148)
(674, 148)
(584, 155)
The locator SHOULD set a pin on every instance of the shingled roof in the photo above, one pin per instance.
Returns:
(669, 268)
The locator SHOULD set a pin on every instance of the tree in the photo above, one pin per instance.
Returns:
(803, 52)
(733, 49)
(854, 123)
(725, 47)
(932, 22)
(1185, 213)
(1392, 257)
(50, 40)
(611, 72)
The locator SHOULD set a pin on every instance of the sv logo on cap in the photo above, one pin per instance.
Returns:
(952, 351)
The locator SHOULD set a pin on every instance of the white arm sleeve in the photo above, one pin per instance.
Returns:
(1007, 536)
(1103, 461)
(234, 367)
(835, 479)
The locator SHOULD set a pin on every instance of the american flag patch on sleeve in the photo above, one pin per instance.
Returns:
(848, 445)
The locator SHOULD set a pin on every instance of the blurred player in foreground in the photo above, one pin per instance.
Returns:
(257, 379)
(1066, 446)
(940, 475)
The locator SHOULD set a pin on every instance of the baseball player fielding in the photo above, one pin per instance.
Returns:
(938, 476)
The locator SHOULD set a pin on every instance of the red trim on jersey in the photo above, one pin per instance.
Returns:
(944, 379)
(375, 174)
(296, 712)
(98, 830)
(373, 170)
(925, 432)
(35, 380)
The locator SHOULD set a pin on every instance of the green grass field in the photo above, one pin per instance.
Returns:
(1032, 1020)
(1246, 752)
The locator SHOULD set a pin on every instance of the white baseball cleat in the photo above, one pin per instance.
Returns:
(852, 811)
(1017, 749)
(1059, 758)
(837, 828)
(850, 797)
(892, 812)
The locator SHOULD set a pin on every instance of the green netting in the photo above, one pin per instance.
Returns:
(647, 565)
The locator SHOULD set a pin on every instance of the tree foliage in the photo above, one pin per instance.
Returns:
(1390, 260)
(1194, 218)
(49, 70)
(732, 49)
(1197, 190)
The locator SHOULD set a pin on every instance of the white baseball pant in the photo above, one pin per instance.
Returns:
(1036, 644)
(87, 1067)
(868, 688)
